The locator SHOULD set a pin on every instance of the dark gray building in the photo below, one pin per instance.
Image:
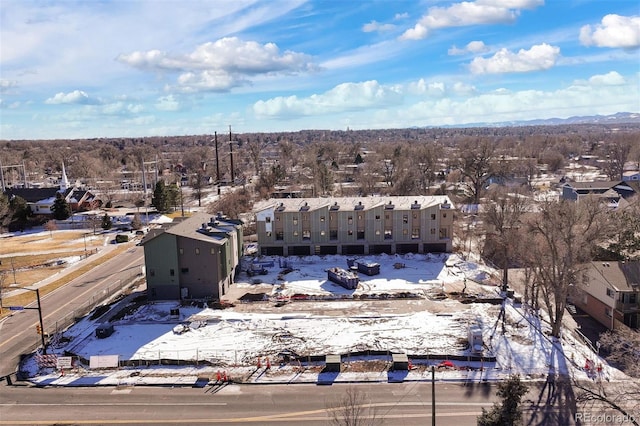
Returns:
(197, 258)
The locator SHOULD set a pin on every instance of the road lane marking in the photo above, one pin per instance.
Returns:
(92, 289)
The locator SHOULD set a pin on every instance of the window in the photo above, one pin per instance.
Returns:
(359, 217)
(377, 232)
(184, 270)
(268, 233)
(443, 233)
(333, 234)
(444, 215)
(377, 217)
(360, 235)
(322, 233)
(152, 272)
(433, 231)
(212, 251)
(405, 218)
(267, 219)
(350, 220)
(415, 234)
(181, 250)
(350, 232)
(607, 312)
(197, 250)
(387, 217)
(279, 236)
(321, 218)
(295, 220)
(433, 216)
(415, 215)
(632, 298)
(611, 293)
(295, 233)
(387, 234)
(172, 272)
(306, 235)
(405, 231)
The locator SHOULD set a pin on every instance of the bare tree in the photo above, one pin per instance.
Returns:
(621, 396)
(476, 165)
(563, 236)
(352, 409)
(503, 218)
(616, 153)
(51, 226)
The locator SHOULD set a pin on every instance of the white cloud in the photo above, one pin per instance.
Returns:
(599, 94)
(377, 27)
(435, 89)
(167, 103)
(344, 97)
(399, 16)
(539, 57)
(76, 97)
(5, 85)
(471, 47)
(466, 13)
(613, 31)
(223, 64)
(610, 79)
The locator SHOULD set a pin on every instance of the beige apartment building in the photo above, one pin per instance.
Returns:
(354, 225)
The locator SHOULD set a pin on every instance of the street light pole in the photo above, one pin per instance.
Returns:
(44, 346)
(39, 308)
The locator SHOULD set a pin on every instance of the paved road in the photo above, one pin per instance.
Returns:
(403, 404)
(18, 332)
(407, 404)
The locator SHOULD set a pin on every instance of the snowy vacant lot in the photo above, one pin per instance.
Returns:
(432, 320)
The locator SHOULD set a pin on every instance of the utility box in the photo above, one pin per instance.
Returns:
(400, 362)
(346, 279)
(475, 339)
(104, 330)
(333, 363)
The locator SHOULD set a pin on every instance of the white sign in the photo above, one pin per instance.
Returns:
(64, 362)
(104, 361)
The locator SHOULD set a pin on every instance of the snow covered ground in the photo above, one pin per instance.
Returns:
(429, 323)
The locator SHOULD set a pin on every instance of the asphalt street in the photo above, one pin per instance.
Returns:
(18, 332)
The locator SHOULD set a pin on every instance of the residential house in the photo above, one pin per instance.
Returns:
(611, 293)
(576, 190)
(196, 258)
(354, 225)
(40, 200)
(631, 176)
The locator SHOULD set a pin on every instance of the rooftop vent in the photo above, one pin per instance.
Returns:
(305, 207)
(389, 206)
(415, 205)
(359, 206)
(335, 206)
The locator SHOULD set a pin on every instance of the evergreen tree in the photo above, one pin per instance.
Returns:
(508, 411)
(160, 198)
(60, 208)
(106, 222)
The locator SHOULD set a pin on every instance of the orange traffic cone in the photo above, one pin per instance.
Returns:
(259, 363)
(268, 363)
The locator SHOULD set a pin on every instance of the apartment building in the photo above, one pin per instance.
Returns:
(354, 225)
(196, 258)
(611, 293)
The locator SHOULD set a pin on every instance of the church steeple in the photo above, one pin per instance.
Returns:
(64, 181)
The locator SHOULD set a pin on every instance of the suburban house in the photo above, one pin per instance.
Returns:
(631, 176)
(613, 192)
(40, 200)
(196, 258)
(611, 293)
(354, 225)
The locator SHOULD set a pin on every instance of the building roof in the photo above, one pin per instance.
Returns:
(199, 226)
(594, 185)
(33, 195)
(350, 203)
(621, 276)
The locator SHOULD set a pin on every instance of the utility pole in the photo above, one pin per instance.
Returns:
(433, 395)
(233, 180)
(215, 138)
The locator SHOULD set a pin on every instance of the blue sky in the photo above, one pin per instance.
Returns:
(132, 68)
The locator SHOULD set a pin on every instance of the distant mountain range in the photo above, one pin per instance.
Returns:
(620, 117)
